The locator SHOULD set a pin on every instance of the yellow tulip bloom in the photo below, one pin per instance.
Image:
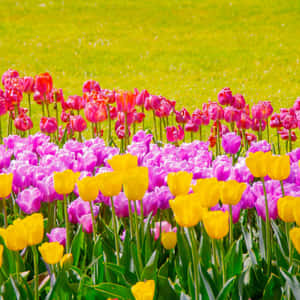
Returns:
(286, 207)
(34, 226)
(208, 190)
(216, 224)
(16, 236)
(123, 162)
(258, 163)
(179, 183)
(279, 167)
(232, 191)
(143, 290)
(1, 255)
(136, 183)
(187, 210)
(67, 260)
(64, 182)
(295, 237)
(88, 188)
(51, 252)
(110, 183)
(169, 240)
(5, 184)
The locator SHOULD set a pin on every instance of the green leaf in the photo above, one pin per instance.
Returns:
(205, 250)
(77, 245)
(272, 289)
(234, 259)
(99, 266)
(248, 243)
(19, 291)
(281, 239)
(227, 288)
(151, 267)
(206, 285)
(292, 282)
(112, 290)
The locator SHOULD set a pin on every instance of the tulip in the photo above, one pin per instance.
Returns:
(90, 86)
(77, 123)
(125, 102)
(279, 167)
(86, 222)
(232, 191)
(64, 182)
(144, 290)
(48, 125)
(208, 190)
(286, 207)
(5, 190)
(34, 225)
(57, 235)
(75, 102)
(231, 143)
(29, 200)
(216, 224)
(187, 210)
(295, 237)
(258, 163)
(95, 112)
(51, 253)
(16, 236)
(43, 83)
(123, 162)
(239, 101)
(225, 96)
(174, 134)
(66, 261)
(169, 240)
(179, 183)
(110, 183)
(23, 122)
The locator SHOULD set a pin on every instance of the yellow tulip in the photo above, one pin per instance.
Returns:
(169, 240)
(279, 167)
(143, 290)
(136, 183)
(296, 215)
(51, 252)
(232, 191)
(187, 210)
(64, 182)
(1, 255)
(286, 207)
(34, 226)
(123, 162)
(179, 183)
(88, 188)
(216, 224)
(208, 190)
(110, 183)
(66, 261)
(16, 236)
(295, 237)
(258, 163)
(5, 184)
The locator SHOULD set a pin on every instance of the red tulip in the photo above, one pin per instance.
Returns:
(77, 123)
(174, 134)
(23, 122)
(43, 83)
(48, 125)
(95, 112)
(125, 102)
(91, 85)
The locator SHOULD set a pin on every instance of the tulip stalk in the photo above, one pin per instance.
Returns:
(154, 123)
(268, 233)
(130, 218)
(115, 230)
(223, 261)
(109, 124)
(200, 133)
(290, 141)
(36, 272)
(268, 130)
(67, 224)
(143, 111)
(195, 261)
(138, 243)
(29, 107)
(93, 222)
(126, 139)
(230, 226)
(0, 131)
(5, 212)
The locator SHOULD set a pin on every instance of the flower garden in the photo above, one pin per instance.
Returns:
(123, 195)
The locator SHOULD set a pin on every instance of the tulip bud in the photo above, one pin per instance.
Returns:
(169, 240)
(66, 261)
(143, 290)
(88, 188)
(179, 183)
(216, 224)
(64, 182)
(51, 252)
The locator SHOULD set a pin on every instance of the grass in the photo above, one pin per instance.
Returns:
(185, 50)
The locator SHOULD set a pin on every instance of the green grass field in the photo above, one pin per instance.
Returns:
(184, 50)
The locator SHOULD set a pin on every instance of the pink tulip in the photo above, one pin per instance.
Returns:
(23, 122)
(90, 86)
(77, 123)
(141, 97)
(75, 102)
(95, 112)
(182, 116)
(174, 134)
(8, 75)
(215, 111)
(152, 102)
(28, 83)
(231, 114)
(275, 121)
(225, 96)
(191, 127)
(239, 101)
(48, 125)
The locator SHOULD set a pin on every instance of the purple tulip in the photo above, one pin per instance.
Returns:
(231, 143)
(87, 223)
(29, 200)
(78, 208)
(57, 235)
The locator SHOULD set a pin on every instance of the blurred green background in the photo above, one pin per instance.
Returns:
(183, 50)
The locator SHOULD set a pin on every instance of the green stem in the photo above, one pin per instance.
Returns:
(278, 142)
(130, 218)
(67, 224)
(268, 131)
(126, 138)
(142, 215)
(195, 262)
(5, 212)
(36, 272)
(213, 241)
(17, 265)
(200, 132)
(160, 129)
(154, 122)
(222, 261)
(143, 111)
(29, 108)
(109, 125)
(282, 188)
(268, 228)
(93, 222)
(1, 131)
(137, 234)
(290, 141)
(115, 230)
(230, 226)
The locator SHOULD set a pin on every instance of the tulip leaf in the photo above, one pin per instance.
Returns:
(57, 287)
(292, 282)
(183, 296)
(205, 250)
(151, 267)
(112, 290)
(77, 245)
(248, 243)
(227, 288)
(234, 259)
(281, 260)
(262, 249)
(18, 289)
(207, 286)
(99, 267)
(272, 289)
(126, 257)
(281, 239)
(191, 283)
